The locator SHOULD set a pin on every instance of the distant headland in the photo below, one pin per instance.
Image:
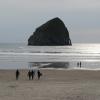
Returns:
(52, 33)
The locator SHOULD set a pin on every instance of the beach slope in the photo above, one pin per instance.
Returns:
(53, 85)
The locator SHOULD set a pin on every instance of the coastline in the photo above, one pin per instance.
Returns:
(53, 85)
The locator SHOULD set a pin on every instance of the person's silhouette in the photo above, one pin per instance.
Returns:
(77, 64)
(32, 74)
(39, 74)
(29, 74)
(17, 74)
(80, 64)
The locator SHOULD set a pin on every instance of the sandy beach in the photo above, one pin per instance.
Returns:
(53, 85)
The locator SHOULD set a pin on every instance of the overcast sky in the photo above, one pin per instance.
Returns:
(20, 18)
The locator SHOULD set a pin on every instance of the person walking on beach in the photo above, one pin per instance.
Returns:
(17, 74)
(39, 74)
(80, 64)
(77, 64)
(32, 74)
(29, 74)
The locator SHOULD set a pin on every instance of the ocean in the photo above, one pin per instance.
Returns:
(21, 56)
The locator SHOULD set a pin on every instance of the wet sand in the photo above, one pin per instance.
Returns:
(53, 85)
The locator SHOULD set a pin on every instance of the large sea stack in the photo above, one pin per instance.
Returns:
(52, 33)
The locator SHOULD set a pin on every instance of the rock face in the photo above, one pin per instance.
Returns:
(52, 33)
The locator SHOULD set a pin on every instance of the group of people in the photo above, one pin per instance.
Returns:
(30, 74)
(79, 64)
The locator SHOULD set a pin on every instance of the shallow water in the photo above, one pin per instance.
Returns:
(13, 56)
